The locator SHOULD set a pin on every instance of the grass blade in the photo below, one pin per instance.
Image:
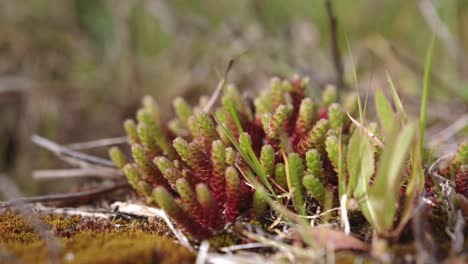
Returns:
(249, 155)
(425, 93)
(397, 101)
(361, 113)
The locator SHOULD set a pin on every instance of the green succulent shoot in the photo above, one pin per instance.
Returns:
(288, 153)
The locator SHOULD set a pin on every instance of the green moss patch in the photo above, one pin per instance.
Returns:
(87, 240)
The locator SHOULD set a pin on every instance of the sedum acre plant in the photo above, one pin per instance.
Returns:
(207, 169)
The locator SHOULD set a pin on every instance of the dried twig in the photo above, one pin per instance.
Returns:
(203, 252)
(444, 183)
(83, 212)
(69, 197)
(373, 137)
(243, 247)
(75, 173)
(219, 87)
(321, 214)
(98, 143)
(238, 258)
(146, 211)
(344, 214)
(336, 53)
(292, 251)
(433, 169)
(68, 153)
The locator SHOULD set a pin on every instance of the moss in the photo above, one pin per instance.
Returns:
(224, 239)
(231, 237)
(87, 240)
(14, 230)
(125, 247)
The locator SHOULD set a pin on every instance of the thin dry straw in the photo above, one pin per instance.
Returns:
(64, 151)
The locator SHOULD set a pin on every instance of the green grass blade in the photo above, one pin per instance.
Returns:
(361, 113)
(258, 166)
(425, 94)
(229, 105)
(397, 101)
(248, 156)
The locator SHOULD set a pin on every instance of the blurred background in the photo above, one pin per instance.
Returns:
(73, 70)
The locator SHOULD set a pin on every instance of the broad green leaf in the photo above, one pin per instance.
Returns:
(384, 193)
(360, 160)
(384, 111)
(361, 167)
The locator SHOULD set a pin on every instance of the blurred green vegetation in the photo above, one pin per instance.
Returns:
(86, 63)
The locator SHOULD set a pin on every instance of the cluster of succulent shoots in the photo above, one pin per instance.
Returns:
(194, 171)
(202, 167)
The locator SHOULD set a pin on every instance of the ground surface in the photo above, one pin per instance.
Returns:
(86, 240)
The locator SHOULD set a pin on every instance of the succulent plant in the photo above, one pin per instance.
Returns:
(195, 168)
(203, 167)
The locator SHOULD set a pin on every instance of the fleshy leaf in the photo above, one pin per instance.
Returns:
(360, 163)
(296, 173)
(384, 111)
(383, 195)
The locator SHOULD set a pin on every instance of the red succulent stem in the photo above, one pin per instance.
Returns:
(245, 199)
(218, 188)
(233, 194)
(232, 206)
(255, 130)
(322, 113)
(200, 163)
(190, 200)
(461, 182)
(297, 94)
